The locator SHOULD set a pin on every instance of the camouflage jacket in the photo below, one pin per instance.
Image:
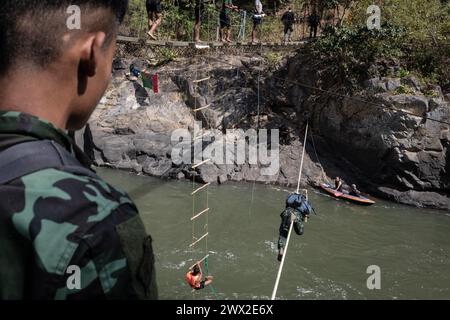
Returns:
(66, 235)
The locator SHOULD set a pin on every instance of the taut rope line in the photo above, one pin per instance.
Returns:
(280, 269)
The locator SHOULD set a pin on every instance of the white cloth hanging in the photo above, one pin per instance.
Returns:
(258, 6)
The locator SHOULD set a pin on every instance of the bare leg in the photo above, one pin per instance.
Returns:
(208, 280)
(228, 35)
(223, 35)
(255, 29)
(289, 32)
(197, 31)
(150, 22)
(155, 25)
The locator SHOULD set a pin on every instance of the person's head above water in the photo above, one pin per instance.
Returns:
(196, 270)
(49, 67)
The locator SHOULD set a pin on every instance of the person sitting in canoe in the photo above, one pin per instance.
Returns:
(298, 209)
(354, 191)
(338, 184)
(194, 278)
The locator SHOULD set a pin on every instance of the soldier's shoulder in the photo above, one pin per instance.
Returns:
(58, 195)
(56, 210)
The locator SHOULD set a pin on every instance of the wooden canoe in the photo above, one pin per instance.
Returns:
(345, 195)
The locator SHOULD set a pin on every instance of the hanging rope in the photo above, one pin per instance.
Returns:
(205, 188)
(280, 269)
(318, 159)
(303, 155)
(257, 120)
(213, 290)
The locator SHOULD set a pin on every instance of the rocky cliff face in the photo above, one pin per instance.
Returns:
(392, 137)
(381, 138)
(132, 127)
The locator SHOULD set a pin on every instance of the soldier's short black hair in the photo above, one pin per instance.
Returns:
(32, 30)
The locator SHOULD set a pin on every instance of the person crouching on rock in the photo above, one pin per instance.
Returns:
(194, 278)
(298, 210)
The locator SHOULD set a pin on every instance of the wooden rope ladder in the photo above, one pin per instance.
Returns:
(197, 213)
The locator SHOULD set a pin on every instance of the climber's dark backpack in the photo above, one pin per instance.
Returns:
(298, 202)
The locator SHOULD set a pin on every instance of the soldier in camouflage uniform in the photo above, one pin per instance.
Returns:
(56, 215)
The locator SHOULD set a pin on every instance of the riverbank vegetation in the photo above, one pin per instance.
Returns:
(414, 38)
(178, 22)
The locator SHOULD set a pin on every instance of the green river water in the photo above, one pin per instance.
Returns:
(411, 246)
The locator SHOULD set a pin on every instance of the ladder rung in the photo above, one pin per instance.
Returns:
(201, 163)
(199, 214)
(201, 188)
(201, 80)
(200, 261)
(198, 240)
(198, 109)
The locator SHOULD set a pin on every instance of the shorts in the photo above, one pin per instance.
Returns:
(202, 286)
(199, 12)
(288, 28)
(225, 21)
(257, 21)
(153, 6)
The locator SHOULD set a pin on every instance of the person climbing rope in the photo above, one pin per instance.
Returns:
(258, 16)
(299, 203)
(298, 210)
(288, 20)
(194, 278)
(225, 21)
(313, 22)
(154, 14)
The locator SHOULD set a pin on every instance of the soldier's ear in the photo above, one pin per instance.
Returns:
(91, 52)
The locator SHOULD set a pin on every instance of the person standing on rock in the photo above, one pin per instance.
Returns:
(225, 20)
(199, 10)
(258, 16)
(64, 232)
(313, 22)
(288, 20)
(154, 14)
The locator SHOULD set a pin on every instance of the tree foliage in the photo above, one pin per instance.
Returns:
(414, 35)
